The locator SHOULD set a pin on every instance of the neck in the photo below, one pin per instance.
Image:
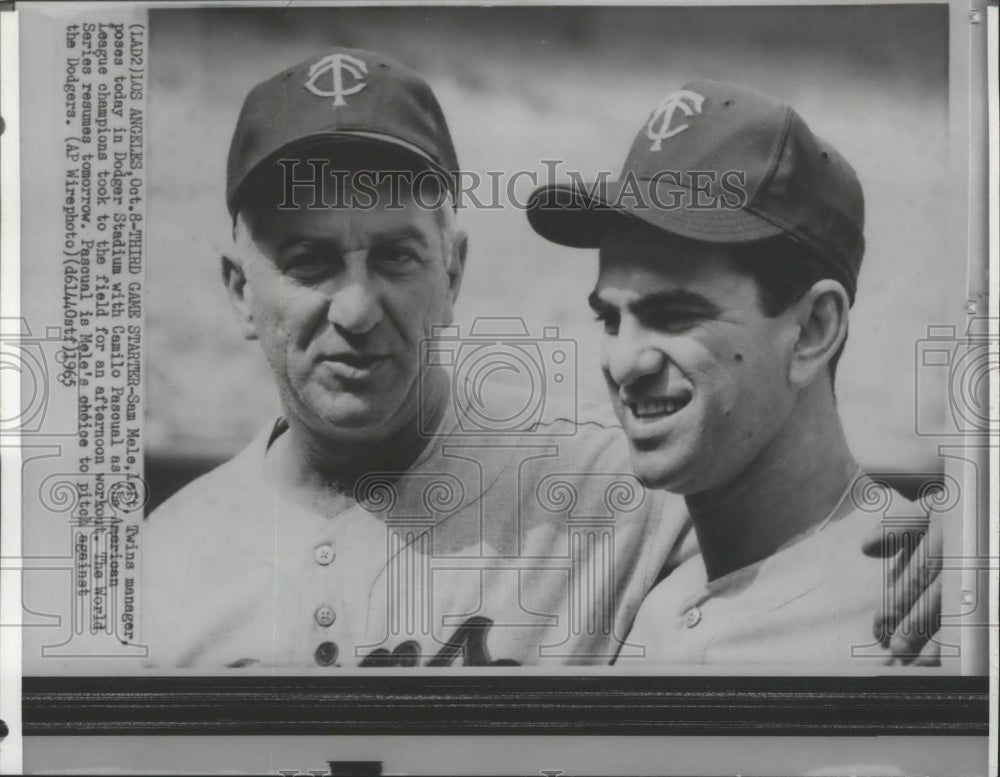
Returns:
(313, 468)
(792, 486)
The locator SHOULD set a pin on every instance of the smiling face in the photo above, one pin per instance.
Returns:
(697, 372)
(340, 300)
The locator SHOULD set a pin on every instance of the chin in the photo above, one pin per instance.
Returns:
(654, 474)
(362, 422)
(662, 474)
(346, 418)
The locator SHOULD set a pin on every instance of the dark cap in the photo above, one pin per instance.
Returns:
(344, 94)
(724, 164)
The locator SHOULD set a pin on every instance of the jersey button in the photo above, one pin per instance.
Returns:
(326, 653)
(324, 554)
(325, 615)
(692, 617)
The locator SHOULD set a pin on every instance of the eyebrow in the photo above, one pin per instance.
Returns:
(657, 302)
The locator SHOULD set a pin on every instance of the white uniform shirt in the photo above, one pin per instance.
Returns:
(534, 550)
(813, 601)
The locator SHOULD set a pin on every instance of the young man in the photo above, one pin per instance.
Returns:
(729, 258)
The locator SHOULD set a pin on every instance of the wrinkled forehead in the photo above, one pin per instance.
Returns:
(342, 230)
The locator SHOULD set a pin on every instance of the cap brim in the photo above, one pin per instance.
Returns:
(321, 139)
(578, 215)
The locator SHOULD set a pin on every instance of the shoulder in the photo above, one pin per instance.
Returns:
(192, 544)
(875, 505)
(216, 497)
(832, 566)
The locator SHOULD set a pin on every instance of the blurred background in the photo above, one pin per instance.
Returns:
(526, 84)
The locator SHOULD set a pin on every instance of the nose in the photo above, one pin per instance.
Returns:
(354, 305)
(629, 357)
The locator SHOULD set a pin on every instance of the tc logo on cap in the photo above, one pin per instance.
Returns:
(689, 103)
(336, 65)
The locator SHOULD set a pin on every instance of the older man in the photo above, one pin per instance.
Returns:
(387, 517)
(729, 259)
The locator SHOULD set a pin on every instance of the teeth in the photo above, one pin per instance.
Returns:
(655, 407)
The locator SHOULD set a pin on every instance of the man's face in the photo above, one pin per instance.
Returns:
(340, 300)
(698, 374)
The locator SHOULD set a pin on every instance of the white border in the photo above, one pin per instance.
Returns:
(962, 59)
(10, 395)
(993, 151)
(59, 6)
(10, 595)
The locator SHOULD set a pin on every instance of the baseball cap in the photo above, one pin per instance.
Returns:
(344, 94)
(721, 163)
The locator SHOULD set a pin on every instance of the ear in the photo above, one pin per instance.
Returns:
(456, 264)
(822, 327)
(240, 296)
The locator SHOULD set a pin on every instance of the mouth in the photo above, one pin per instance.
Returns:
(352, 365)
(355, 360)
(655, 409)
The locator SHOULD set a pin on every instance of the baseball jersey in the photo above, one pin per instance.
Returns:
(491, 549)
(812, 601)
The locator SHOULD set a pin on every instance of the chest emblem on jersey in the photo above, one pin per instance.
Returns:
(330, 71)
(687, 102)
(468, 643)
